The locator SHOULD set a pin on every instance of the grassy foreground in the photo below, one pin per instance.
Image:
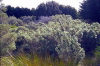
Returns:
(29, 60)
(23, 60)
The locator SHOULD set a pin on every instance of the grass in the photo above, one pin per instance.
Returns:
(23, 60)
(30, 60)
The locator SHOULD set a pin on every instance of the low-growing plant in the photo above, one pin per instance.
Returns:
(23, 60)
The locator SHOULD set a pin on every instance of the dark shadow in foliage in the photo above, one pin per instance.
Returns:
(45, 47)
(42, 48)
(89, 43)
(22, 45)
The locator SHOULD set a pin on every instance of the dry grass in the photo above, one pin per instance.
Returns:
(23, 60)
(30, 60)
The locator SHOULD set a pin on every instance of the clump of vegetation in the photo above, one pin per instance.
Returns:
(23, 60)
(60, 38)
(7, 40)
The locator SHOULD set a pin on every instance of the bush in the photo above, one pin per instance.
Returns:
(44, 19)
(14, 21)
(62, 37)
(7, 41)
(27, 19)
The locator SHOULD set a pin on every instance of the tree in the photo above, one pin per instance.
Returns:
(48, 9)
(19, 12)
(53, 8)
(68, 10)
(10, 11)
(90, 10)
(41, 10)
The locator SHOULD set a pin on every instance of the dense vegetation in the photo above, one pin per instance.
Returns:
(48, 9)
(52, 40)
(58, 38)
(18, 12)
(90, 10)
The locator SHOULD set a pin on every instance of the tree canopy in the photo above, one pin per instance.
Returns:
(18, 12)
(44, 9)
(90, 10)
(53, 8)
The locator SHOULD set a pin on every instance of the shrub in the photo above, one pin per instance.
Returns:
(62, 37)
(44, 19)
(3, 18)
(14, 21)
(27, 19)
(7, 40)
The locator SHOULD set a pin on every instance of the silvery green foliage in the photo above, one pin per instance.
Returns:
(7, 40)
(23, 31)
(52, 37)
(77, 27)
(27, 19)
(62, 35)
(44, 19)
(68, 47)
(14, 21)
(3, 17)
(67, 44)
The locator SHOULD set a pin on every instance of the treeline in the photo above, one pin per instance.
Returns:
(18, 12)
(48, 9)
(90, 10)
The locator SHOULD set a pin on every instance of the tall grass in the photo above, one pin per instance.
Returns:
(28, 60)
(24, 60)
